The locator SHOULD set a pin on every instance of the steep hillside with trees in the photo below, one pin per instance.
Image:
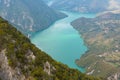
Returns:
(21, 60)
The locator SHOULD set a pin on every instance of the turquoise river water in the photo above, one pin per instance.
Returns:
(61, 41)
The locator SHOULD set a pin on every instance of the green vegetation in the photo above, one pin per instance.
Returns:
(101, 35)
(19, 50)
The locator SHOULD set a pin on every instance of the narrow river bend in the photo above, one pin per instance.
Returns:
(61, 41)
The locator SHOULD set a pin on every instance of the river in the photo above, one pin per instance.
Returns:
(61, 41)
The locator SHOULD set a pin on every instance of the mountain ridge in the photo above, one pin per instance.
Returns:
(27, 17)
(85, 6)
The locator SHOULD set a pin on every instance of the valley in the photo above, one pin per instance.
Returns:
(62, 41)
(59, 40)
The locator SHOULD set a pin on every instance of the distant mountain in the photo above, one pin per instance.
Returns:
(85, 6)
(29, 15)
(101, 35)
(21, 60)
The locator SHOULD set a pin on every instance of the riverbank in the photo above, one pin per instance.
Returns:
(62, 41)
(101, 34)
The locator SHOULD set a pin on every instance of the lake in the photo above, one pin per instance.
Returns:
(61, 41)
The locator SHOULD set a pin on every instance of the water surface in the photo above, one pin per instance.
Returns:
(61, 41)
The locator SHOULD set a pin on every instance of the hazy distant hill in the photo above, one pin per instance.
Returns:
(29, 15)
(84, 5)
(102, 36)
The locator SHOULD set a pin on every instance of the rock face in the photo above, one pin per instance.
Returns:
(48, 68)
(28, 15)
(101, 35)
(114, 77)
(6, 72)
(85, 6)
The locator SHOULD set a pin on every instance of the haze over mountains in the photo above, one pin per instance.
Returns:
(29, 15)
(85, 6)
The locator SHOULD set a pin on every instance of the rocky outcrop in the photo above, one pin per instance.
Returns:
(30, 56)
(48, 68)
(6, 72)
(114, 77)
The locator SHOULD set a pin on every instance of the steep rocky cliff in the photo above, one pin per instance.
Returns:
(29, 15)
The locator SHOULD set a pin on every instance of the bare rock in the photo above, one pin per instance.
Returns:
(6, 72)
(114, 77)
(48, 68)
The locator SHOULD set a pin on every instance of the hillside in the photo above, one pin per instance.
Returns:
(21, 60)
(85, 6)
(29, 16)
(101, 35)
